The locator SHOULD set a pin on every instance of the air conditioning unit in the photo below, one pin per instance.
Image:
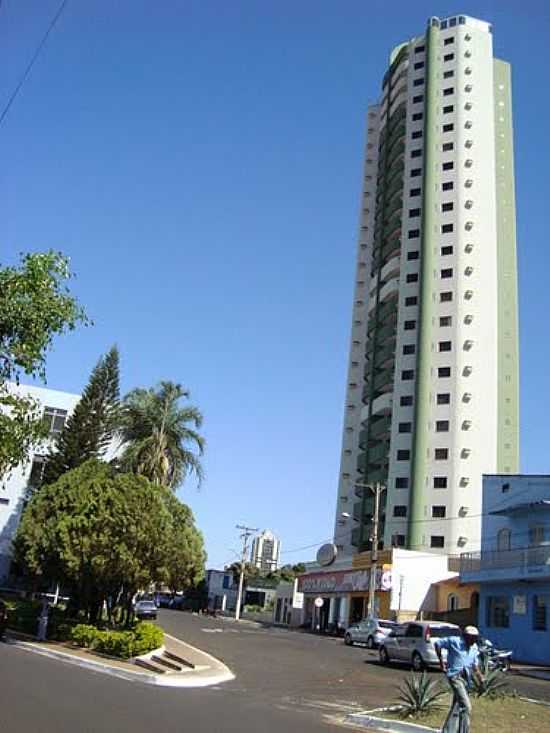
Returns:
(462, 541)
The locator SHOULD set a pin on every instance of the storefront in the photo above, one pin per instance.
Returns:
(333, 600)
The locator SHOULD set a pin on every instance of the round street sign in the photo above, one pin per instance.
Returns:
(318, 602)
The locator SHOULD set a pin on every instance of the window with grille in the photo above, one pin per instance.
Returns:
(54, 419)
(540, 612)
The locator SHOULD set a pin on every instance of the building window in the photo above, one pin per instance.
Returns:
(447, 228)
(448, 109)
(448, 57)
(403, 455)
(441, 454)
(419, 65)
(448, 166)
(407, 375)
(498, 612)
(37, 470)
(447, 147)
(411, 300)
(447, 206)
(418, 82)
(416, 135)
(416, 172)
(415, 192)
(417, 116)
(419, 49)
(437, 540)
(402, 482)
(405, 427)
(400, 511)
(416, 153)
(445, 346)
(440, 482)
(412, 255)
(409, 349)
(412, 277)
(398, 540)
(536, 535)
(439, 511)
(447, 92)
(414, 233)
(416, 100)
(540, 612)
(406, 400)
(445, 297)
(409, 325)
(444, 372)
(504, 540)
(448, 74)
(445, 321)
(54, 419)
(413, 213)
(446, 273)
(447, 250)
(448, 41)
(444, 398)
(447, 186)
(442, 426)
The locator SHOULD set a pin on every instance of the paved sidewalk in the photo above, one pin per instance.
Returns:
(191, 667)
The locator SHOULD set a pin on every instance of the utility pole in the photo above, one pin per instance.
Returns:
(247, 532)
(377, 489)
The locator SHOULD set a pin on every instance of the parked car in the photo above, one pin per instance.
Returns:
(413, 643)
(145, 609)
(369, 631)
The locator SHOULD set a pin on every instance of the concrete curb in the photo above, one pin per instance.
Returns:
(185, 680)
(370, 720)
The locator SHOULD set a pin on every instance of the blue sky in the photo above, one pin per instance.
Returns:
(200, 162)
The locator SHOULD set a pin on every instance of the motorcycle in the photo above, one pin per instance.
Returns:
(491, 658)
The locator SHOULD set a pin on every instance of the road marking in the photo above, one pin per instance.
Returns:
(212, 631)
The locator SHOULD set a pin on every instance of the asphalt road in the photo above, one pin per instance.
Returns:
(286, 681)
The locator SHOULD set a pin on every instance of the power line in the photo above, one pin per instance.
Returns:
(34, 57)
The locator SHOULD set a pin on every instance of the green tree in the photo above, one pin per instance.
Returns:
(92, 426)
(183, 547)
(98, 532)
(35, 306)
(250, 571)
(158, 434)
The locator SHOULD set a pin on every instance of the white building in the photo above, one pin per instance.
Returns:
(222, 590)
(57, 406)
(266, 550)
(432, 388)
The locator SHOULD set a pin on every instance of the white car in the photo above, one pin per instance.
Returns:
(369, 631)
(414, 643)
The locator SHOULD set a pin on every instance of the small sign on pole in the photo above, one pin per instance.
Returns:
(319, 602)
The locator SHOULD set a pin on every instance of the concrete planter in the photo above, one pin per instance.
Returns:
(371, 719)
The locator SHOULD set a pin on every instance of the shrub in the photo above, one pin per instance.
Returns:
(492, 684)
(23, 615)
(143, 638)
(418, 695)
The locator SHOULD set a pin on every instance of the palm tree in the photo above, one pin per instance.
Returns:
(157, 433)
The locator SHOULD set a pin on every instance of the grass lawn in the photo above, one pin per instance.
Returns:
(501, 715)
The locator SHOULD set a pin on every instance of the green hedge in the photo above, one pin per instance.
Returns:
(143, 638)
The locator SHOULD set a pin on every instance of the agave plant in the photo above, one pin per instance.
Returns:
(492, 683)
(418, 695)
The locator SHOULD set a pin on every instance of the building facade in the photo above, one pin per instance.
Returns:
(56, 408)
(265, 553)
(432, 393)
(513, 566)
(222, 590)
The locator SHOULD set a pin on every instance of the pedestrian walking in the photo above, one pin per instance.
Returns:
(461, 664)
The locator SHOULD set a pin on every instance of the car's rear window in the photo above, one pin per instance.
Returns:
(440, 632)
(147, 604)
(387, 624)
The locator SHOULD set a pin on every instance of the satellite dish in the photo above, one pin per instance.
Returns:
(326, 554)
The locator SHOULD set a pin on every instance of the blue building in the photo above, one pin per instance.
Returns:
(513, 567)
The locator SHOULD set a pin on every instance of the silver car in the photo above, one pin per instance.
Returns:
(145, 609)
(369, 631)
(413, 643)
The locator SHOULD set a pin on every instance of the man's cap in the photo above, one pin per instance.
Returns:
(471, 631)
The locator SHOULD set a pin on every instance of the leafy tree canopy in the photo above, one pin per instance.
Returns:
(35, 306)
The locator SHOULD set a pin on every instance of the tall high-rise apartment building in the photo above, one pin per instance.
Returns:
(432, 389)
(266, 549)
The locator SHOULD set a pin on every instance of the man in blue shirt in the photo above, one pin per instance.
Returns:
(461, 663)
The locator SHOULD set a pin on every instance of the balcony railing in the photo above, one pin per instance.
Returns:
(521, 559)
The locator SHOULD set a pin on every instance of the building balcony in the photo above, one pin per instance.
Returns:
(523, 563)
(383, 405)
(389, 290)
